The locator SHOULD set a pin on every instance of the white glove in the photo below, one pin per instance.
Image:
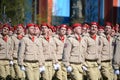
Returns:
(117, 72)
(84, 68)
(11, 63)
(69, 69)
(99, 67)
(42, 69)
(22, 68)
(56, 66)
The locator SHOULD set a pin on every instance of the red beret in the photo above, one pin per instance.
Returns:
(52, 28)
(6, 25)
(63, 26)
(69, 28)
(94, 23)
(37, 25)
(29, 25)
(114, 28)
(20, 25)
(108, 24)
(12, 29)
(44, 24)
(86, 25)
(101, 27)
(76, 25)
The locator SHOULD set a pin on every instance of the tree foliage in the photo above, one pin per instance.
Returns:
(12, 11)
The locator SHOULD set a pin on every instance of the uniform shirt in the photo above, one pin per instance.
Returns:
(49, 48)
(92, 48)
(85, 34)
(73, 51)
(6, 48)
(116, 57)
(59, 46)
(107, 48)
(30, 51)
(16, 43)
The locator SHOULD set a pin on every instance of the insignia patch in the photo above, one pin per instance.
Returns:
(113, 43)
(65, 45)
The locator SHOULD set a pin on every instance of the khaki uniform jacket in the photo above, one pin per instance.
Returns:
(116, 57)
(107, 49)
(85, 34)
(59, 46)
(49, 49)
(16, 43)
(73, 51)
(6, 48)
(92, 48)
(30, 51)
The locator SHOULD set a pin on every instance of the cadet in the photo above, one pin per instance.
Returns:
(73, 56)
(49, 51)
(30, 54)
(69, 31)
(107, 54)
(59, 41)
(16, 41)
(116, 58)
(85, 29)
(92, 52)
(6, 49)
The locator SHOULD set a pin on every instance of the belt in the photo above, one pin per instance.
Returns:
(59, 59)
(106, 61)
(15, 58)
(74, 63)
(48, 60)
(91, 60)
(30, 61)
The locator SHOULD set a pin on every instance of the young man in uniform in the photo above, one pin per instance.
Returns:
(107, 53)
(60, 39)
(73, 56)
(30, 54)
(49, 51)
(6, 49)
(16, 41)
(92, 49)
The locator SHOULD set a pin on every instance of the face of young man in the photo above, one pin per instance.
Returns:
(93, 29)
(69, 31)
(78, 30)
(44, 29)
(62, 31)
(108, 29)
(112, 32)
(31, 30)
(20, 30)
(100, 31)
(50, 32)
(37, 31)
(84, 30)
(5, 31)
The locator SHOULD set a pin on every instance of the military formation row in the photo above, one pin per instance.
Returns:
(60, 53)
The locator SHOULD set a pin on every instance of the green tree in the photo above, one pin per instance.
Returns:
(12, 9)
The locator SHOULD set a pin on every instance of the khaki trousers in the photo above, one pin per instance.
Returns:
(107, 70)
(93, 71)
(32, 70)
(49, 72)
(77, 73)
(17, 72)
(61, 74)
(4, 68)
